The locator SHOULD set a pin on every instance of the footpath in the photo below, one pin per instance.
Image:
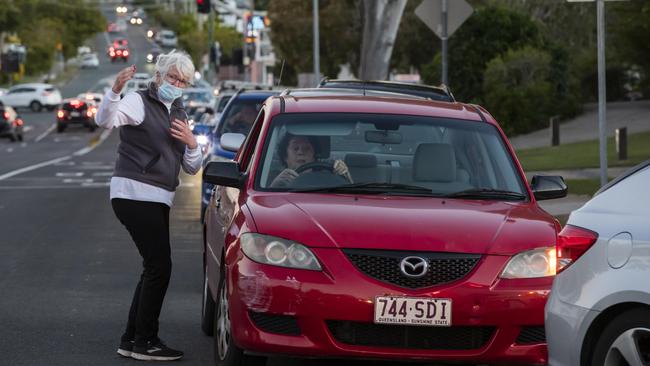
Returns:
(633, 115)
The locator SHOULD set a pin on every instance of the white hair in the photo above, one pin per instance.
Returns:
(177, 59)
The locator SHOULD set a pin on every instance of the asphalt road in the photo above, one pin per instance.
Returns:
(67, 266)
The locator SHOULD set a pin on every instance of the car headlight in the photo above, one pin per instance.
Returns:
(541, 262)
(267, 249)
(202, 139)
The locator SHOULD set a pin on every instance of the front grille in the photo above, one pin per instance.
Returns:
(279, 324)
(385, 266)
(531, 335)
(410, 337)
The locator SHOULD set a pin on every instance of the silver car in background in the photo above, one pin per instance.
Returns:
(598, 312)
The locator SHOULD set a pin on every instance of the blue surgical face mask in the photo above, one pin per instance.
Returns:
(168, 92)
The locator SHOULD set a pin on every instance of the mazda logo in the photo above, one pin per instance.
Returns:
(414, 267)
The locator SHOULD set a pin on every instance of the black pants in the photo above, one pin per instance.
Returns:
(148, 224)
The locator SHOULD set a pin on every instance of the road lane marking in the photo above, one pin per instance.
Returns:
(33, 167)
(69, 174)
(27, 128)
(72, 180)
(81, 152)
(47, 132)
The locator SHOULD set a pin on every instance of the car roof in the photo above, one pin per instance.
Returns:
(34, 85)
(383, 105)
(427, 91)
(255, 94)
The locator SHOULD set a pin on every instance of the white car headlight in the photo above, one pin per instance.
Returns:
(541, 262)
(267, 249)
(202, 139)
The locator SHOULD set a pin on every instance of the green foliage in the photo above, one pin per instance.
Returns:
(48, 23)
(517, 89)
(415, 44)
(488, 33)
(292, 35)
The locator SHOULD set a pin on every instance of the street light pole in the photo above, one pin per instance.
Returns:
(602, 100)
(444, 39)
(316, 44)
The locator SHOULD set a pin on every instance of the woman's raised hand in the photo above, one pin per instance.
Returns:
(122, 77)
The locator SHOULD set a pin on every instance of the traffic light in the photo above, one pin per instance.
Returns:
(203, 6)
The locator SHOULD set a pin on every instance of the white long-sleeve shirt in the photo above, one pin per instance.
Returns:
(113, 113)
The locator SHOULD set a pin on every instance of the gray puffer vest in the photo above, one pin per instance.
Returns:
(147, 152)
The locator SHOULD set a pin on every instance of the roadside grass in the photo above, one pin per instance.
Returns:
(583, 186)
(584, 154)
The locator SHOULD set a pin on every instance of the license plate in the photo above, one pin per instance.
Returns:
(74, 114)
(413, 311)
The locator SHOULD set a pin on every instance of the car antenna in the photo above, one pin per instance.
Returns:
(281, 70)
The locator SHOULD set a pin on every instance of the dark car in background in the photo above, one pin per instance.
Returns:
(11, 125)
(238, 116)
(121, 53)
(76, 111)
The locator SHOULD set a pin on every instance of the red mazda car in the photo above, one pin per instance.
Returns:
(373, 225)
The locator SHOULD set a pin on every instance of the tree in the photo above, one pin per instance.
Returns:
(415, 44)
(517, 90)
(488, 33)
(381, 19)
(292, 30)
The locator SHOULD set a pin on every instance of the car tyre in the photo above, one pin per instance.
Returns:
(60, 127)
(12, 137)
(35, 106)
(207, 309)
(226, 352)
(20, 137)
(625, 338)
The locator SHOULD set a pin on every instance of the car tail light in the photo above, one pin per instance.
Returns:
(572, 243)
(112, 54)
(18, 122)
(119, 52)
(60, 114)
(93, 110)
(75, 103)
(89, 113)
(6, 115)
(126, 53)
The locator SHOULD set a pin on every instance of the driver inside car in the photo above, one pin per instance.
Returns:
(296, 151)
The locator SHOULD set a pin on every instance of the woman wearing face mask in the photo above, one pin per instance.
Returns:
(155, 142)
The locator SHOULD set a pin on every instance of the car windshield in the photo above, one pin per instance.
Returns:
(387, 154)
(239, 116)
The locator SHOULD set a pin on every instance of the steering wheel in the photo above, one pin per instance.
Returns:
(316, 166)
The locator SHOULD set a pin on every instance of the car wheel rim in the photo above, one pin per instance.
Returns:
(632, 346)
(223, 324)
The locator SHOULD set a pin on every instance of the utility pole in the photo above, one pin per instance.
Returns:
(444, 39)
(602, 97)
(316, 44)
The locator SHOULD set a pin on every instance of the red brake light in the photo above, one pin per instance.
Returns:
(6, 115)
(60, 114)
(572, 243)
(89, 113)
(126, 53)
(75, 103)
(18, 122)
(112, 53)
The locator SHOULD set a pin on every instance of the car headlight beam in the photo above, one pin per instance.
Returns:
(280, 252)
(541, 262)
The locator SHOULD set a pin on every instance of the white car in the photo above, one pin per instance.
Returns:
(90, 61)
(598, 312)
(168, 38)
(33, 95)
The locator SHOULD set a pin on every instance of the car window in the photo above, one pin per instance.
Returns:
(239, 116)
(248, 147)
(443, 155)
(222, 103)
(49, 89)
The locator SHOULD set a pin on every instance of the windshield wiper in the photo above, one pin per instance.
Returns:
(487, 193)
(376, 188)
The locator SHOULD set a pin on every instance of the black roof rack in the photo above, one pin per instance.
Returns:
(440, 93)
(327, 91)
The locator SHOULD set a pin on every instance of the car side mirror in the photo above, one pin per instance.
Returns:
(224, 173)
(232, 141)
(547, 187)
